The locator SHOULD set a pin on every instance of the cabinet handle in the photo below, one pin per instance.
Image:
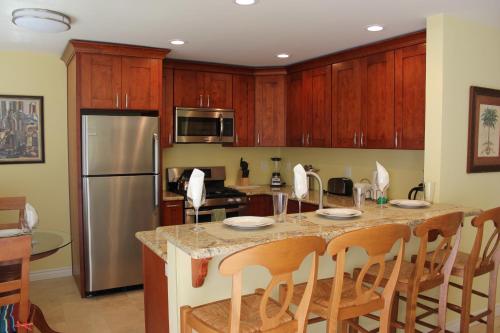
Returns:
(172, 206)
(355, 139)
(201, 100)
(170, 138)
(208, 101)
(236, 139)
(117, 102)
(307, 139)
(126, 101)
(258, 138)
(302, 138)
(361, 141)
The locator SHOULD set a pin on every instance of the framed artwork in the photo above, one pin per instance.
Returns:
(21, 129)
(484, 130)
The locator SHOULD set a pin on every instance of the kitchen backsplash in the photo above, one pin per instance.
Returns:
(405, 166)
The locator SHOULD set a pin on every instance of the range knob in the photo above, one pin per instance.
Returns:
(238, 199)
(230, 200)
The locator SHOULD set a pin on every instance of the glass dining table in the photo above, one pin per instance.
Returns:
(44, 242)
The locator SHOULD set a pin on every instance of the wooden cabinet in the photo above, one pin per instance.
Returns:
(202, 89)
(270, 105)
(377, 77)
(346, 104)
(293, 207)
(123, 83)
(410, 97)
(295, 126)
(167, 109)
(172, 212)
(244, 110)
(259, 205)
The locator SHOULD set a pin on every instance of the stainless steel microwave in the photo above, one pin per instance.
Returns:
(201, 125)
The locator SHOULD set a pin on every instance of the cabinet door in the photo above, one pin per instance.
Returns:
(317, 107)
(295, 125)
(141, 83)
(167, 109)
(100, 81)
(410, 97)
(378, 101)
(218, 92)
(244, 110)
(172, 213)
(188, 88)
(259, 205)
(293, 207)
(346, 104)
(270, 107)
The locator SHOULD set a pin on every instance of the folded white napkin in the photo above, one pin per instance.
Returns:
(300, 185)
(195, 187)
(30, 216)
(382, 177)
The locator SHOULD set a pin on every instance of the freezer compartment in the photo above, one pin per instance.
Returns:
(115, 208)
(119, 145)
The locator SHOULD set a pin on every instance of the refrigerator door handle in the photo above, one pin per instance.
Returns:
(156, 188)
(88, 228)
(85, 145)
(156, 152)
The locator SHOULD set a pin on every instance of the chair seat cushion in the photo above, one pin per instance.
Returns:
(321, 294)
(216, 314)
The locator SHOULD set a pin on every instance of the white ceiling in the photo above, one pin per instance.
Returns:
(220, 31)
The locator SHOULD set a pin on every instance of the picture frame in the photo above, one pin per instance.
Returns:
(484, 130)
(21, 129)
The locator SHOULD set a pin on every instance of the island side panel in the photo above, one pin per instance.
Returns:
(156, 314)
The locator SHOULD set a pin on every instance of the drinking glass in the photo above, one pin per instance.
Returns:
(359, 196)
(429, 189)
(196, 207)
(280, 203)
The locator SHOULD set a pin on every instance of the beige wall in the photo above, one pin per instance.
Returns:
(45, 185)
(459, 54)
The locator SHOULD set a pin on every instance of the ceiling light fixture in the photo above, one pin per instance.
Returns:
(283, 55)
(245, 2)
(177, 42)
(41, 20)
(375, 27)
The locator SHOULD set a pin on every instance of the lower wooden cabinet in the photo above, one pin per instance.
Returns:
(172, 212)
(293, 207)
(259, 205)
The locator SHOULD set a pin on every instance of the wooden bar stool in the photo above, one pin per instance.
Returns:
(13, 203)
(342, 298)
(16, 251)
(476, 263)
(259, 312)
(418, 277)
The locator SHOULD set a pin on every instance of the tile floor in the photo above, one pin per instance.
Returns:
(123, 312)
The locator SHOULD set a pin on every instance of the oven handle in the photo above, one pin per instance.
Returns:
(190, 212)
(221, 120)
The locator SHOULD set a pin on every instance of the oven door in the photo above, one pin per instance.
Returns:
(205, 215)
(195, 125)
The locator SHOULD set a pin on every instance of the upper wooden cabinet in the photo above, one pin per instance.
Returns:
(270, 105)
(203, 89)
(244, 110)
(346, 104)
(167, 109)
(295, 114)
(116, 82)
(410, 97)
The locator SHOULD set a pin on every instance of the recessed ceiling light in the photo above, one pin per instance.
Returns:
(177, 42)
(374, 27)
(41, 20)
(283, 55)
(245, 2)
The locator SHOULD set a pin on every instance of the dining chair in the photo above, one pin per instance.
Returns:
(416, 277)
(342, 298)
(259, 312)
(480, 261)
(16, 250)
(12, 204)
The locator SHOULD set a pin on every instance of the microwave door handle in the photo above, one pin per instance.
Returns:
(221, 120)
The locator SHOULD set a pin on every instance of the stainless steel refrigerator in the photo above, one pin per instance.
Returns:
(120, 177)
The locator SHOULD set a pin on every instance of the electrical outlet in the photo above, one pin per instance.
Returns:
(348, 172)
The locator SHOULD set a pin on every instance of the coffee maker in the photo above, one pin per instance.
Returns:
(276, 177)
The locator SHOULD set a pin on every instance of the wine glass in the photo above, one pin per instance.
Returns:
(196, 207)
(299, 199)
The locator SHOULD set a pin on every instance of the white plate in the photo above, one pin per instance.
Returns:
(339, 213)
(10, 232)
(248, 222)
(404, 203)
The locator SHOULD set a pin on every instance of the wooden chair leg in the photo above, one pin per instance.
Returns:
(492, 293)
(352, 329)
(394, 312)
(465, 306)
(443, 303)
(185, 328)
(344, 326)
(411, 311)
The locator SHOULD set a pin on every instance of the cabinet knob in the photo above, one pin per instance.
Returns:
(208, 101)
(170, 138)
(396, 139)
(307, 138)
(117, 102)
(201, 100)
(355, 139)
(126, 101)
(302, 138)
(258, 138)
(362, 137)
(236, 139)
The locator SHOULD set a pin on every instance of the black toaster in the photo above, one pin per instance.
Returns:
(340, 186)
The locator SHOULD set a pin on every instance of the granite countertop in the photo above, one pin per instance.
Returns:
(171, 196)
(218, 239)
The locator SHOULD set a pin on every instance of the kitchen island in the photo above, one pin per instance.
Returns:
(191, 259)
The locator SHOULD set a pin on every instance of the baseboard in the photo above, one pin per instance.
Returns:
(454, 325)
(53, 273)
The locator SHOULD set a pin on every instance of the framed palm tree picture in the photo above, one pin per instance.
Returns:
(484, 130)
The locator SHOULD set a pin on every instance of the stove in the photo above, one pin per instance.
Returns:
(217, 195)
